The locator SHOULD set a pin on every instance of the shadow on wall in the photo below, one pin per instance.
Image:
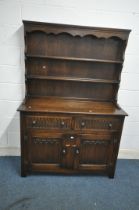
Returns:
(12, 88)
(10, 136)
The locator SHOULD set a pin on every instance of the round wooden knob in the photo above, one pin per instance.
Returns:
(44, 67)
(64, 151)
(62, 123)
(82, 124)
(110, 125)
(34, 122)
(77, 151)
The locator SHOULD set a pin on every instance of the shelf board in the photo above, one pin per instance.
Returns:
(73, 79)
(68, 105)
(74, 59)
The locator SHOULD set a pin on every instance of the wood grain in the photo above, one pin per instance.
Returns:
(70, 120)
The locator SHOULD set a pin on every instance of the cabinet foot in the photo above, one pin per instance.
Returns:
(111, 176)
(23, 174)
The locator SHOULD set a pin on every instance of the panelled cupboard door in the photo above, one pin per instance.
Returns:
(53, 150)
(96, 151)
(79, 152)
(44, 148)
(70, 151)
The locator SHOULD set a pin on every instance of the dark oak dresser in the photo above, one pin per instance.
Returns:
(70, 120)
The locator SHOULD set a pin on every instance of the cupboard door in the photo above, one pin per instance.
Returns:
(70, 152)
(96, 150)
(45, 148)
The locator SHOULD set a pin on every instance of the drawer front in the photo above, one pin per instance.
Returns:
(48, 122)
(96, 123)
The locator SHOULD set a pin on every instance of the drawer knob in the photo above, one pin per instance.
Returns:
(110, 125)
(64, 151)
(77, 151)
(34, 122)
(71, 137)
(62, 123)
(44, 67)
(82, 124)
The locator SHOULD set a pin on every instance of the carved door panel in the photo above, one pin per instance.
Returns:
(70, 152)
(96, 149)
(45, 148)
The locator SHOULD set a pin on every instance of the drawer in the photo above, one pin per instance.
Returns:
(48, 122)
(94, 123)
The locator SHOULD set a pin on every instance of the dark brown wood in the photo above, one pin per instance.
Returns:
(70, 119)
(60, 105)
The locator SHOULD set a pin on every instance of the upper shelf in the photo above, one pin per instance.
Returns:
(73, 79)
(73, 58)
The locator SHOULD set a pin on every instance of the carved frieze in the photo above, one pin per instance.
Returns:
(40, 140)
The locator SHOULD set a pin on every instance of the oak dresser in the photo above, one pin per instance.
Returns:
(70, 120)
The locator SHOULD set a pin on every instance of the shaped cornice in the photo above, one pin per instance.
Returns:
(72, 34)
(74, 31)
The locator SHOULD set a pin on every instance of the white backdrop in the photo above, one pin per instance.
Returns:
(103, 13)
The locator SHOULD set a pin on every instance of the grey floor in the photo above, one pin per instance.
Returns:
(51, 192)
